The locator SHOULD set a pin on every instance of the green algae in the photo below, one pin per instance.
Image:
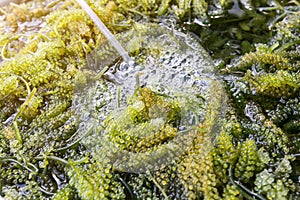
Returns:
(54, 144)
(160, 113)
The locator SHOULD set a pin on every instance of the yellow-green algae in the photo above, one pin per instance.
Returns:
(160, 120)
(42, 156)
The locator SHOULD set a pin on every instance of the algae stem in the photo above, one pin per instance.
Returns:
(26, 103)
(90, 130)
(98, 76)
(245, 191)
(158, 186)
(118, 96)
(17, 132)
(296, 155)
(110, 37)
(45, 191)
(62, 161)
(126, 186)
(20, 164)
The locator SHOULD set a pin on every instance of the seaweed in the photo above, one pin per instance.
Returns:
(74, 126)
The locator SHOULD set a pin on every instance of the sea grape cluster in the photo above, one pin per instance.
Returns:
(51, 149)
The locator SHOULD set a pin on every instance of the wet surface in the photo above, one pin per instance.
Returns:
(172, 65)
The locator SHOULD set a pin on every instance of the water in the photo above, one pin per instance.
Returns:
(170, 67)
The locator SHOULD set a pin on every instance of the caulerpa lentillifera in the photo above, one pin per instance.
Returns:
(164, 91)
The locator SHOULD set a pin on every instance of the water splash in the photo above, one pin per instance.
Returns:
(170, 64)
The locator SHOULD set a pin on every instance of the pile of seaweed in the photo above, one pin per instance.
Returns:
(55, 144)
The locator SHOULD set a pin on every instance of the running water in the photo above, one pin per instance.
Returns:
(105, 31)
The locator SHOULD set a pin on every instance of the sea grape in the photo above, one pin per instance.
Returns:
(75, 126)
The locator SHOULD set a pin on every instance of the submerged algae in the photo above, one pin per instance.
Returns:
(261, 127)
(169, 97)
